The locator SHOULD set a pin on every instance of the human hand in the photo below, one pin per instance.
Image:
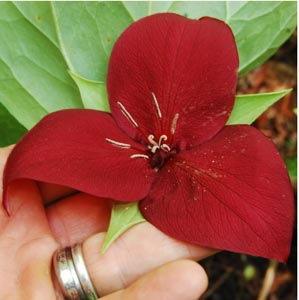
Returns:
(142, 264)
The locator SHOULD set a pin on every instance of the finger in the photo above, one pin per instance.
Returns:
(77, 217)
(25, 271)
(179, 280)
(28, 220)
(138, 251)
(26, 245)
(33, 278)
(4, 153)
(52, 192)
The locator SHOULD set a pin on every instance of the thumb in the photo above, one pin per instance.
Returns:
(27, 214)
(178, 280)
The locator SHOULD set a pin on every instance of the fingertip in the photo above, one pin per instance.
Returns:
(21, 194)
(76, 218)
(27, 214)
(53, 192)
(192, 276)
(178, 280)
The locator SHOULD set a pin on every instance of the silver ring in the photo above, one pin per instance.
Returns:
(82, 272)
(72, 274)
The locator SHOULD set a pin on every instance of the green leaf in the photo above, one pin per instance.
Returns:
(40, 15)
(93, 93)
(123, 217)
(248, 108)
(10, 129)
(40, 41)
(291, 164)
(33, 69)
(140, 9)
(17, 100)
(198, 9)
(260, 27)
(87, 31)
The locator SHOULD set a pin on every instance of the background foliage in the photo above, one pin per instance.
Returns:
(54, 55)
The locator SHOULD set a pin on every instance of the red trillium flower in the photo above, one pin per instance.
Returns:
(171, 87)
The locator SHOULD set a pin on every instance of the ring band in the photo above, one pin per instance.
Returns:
(72, 274)
(82, 272)
(66, 275)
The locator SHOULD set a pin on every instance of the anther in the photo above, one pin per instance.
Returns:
(162, 138)
(173, 124)
(127, 114)
(118, 144)
(165, 147)
(157, 106)
(154, 148)
(151, 139)
(139, 156)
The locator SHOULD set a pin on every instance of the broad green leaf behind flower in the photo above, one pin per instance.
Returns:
(260, 27)
(10, 129)
(87, 31)
(276, 20)
(17, 100)
(86, 34)
(93, 93)
(41, 16)
(33, 73)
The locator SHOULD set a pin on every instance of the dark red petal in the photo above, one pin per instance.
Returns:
(190, 66)
(69, 148)
(232, 193)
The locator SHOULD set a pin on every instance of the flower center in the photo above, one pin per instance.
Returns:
(154, 146)
(158, 151)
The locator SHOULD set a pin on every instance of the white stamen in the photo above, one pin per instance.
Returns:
(165, 147)
(118, 144)
(139, 156)
(127, 114)
(154, 148)
(174, 122)
(162, 138)
(151, 139)
(157, 106)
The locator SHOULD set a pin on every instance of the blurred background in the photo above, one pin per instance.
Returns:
(242, 277)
